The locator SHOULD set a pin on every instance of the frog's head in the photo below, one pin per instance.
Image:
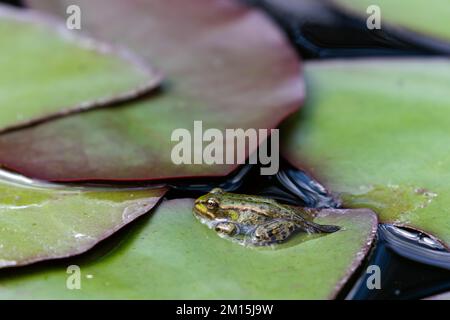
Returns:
(208, 206)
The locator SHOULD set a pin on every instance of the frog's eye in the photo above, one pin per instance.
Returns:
(216, 190)
(212, 204)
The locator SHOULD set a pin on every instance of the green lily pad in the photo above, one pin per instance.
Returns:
(41, 222)
(48, 71)
(376, 132)
(422, 19)
(227, 65)
(173, 256)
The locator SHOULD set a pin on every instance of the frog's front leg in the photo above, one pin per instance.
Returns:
(273, 232)
(226, 228)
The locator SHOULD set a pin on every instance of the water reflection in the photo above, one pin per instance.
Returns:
(404, 275)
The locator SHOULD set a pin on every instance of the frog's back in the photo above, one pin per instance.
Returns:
(257, 204)
(263, 206)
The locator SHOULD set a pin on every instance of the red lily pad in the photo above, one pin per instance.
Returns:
(227, 65)
(48, 71)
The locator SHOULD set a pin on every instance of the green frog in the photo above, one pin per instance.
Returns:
(254, 220)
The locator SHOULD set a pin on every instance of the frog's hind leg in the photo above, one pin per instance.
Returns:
(304, 219)
(273, 232)
(312, 227)
(323, 228)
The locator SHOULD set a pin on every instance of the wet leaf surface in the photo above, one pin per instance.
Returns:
(48, 71)
(227, 65)
(196, 263)
(41, 222)
(375, 132)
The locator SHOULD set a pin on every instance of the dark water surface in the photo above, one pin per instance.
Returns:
(319, 31)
